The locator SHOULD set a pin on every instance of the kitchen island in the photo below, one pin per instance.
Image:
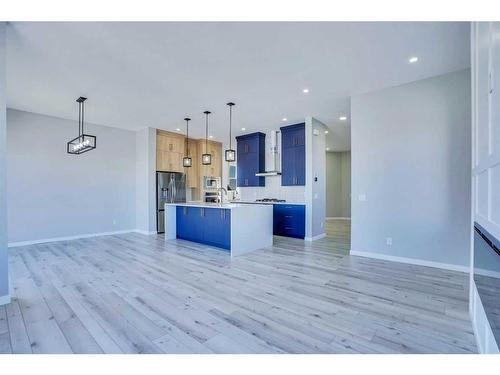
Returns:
(239, 228)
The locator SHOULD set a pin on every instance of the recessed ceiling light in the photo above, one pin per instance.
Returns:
(178, 129)
(284, 119)
(243, 129)
(305, 91)
(328, 149)
(413, 59)
(326, 131)
(342, 118)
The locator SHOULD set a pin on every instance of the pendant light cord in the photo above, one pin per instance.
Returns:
(187, 136)
(79, 119)
(206, 130)
(230, 124)
(83, 114)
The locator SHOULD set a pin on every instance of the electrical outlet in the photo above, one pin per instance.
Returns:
(388, 241)
(362, 197)
(114, 221)
(322, 224)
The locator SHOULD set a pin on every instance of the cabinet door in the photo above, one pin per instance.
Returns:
(181, 222)
(299, 160)
(243, 147)
(289, 220)
(195, 223)
(252, 168)
(242, 169)
(192, 173)
(216, 227)
(288, 167)
(293, 137)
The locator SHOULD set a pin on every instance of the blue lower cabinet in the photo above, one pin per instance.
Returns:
(289, 220)
(189, 223)
(217, 227)
(211, 226)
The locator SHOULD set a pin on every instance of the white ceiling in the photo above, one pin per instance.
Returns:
(155, 74)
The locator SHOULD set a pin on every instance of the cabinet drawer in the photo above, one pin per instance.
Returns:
(289, 220)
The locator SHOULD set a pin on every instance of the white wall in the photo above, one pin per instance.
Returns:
(338, 184)
(146, 180)
(315, 178)
(4, 279)
(411, 160)
(53, 194)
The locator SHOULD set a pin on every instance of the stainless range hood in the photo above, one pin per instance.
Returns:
(275, 155)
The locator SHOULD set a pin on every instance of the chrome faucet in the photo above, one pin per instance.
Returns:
(219, 194)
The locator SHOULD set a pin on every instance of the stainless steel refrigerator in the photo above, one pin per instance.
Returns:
(170, 188)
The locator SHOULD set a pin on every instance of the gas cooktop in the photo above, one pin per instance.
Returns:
(270, 200)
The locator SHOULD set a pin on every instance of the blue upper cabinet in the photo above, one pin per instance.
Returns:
(250, 158)
(293, 155)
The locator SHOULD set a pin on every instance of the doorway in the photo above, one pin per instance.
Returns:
(338, 196)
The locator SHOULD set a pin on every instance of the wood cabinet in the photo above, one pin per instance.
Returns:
(192, 173)
(171, 149)
(214, 148)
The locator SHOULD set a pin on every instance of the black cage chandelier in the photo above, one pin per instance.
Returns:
(84, 142)
(186, 160)
(230, 154)
(206, 158)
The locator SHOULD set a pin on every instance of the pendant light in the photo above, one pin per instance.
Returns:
(230, 154)
(186, 160)
(84, 142)
(206, 158)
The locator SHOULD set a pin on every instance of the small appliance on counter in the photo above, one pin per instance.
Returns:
(211, 183)
(210, 196)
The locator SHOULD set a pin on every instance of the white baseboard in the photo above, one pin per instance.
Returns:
(68, 238)
(4, 300)
(483, 272)
(145, 232)
(418, 262)
(338, 218)
(319, 236)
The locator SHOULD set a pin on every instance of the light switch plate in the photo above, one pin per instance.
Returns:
(362, 197)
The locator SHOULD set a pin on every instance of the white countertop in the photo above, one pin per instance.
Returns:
(265, 203)
(208, 205)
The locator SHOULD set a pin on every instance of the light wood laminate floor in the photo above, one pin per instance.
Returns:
(339, 229)
(132, 293)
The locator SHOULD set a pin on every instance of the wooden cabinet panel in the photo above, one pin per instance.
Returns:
(170, 149)
(192, 173)
(169, 161)
(170, 142)
(214, 148)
